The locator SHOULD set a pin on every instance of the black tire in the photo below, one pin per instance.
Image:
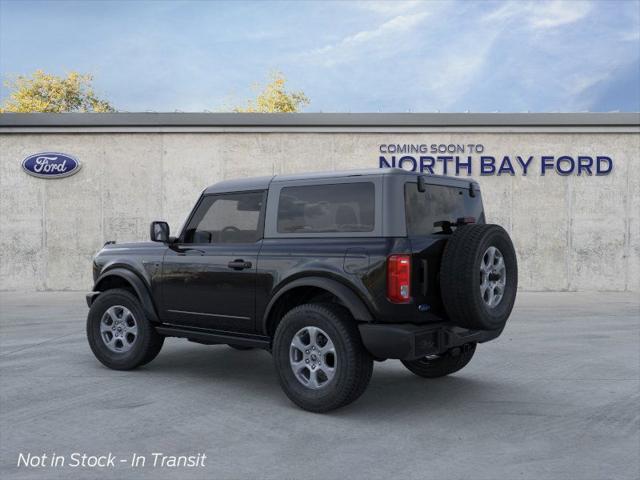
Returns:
(460, 277)
(144, 348)
(353, 364)
(445, 364)
(240, 347)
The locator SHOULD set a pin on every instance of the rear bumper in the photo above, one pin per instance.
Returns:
(409, 342)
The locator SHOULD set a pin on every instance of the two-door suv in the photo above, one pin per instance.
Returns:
(328, 272)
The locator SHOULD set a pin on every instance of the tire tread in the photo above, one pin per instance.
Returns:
(458, 276)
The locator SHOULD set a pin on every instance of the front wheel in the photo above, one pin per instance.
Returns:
(434, 366)
(321, 362)
(119, 333)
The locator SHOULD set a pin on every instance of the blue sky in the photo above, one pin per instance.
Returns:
(360, 56)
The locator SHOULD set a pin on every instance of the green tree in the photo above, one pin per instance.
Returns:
(274, 98)
(44, 92)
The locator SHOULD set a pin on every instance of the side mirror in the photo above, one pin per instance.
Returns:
(159, 232)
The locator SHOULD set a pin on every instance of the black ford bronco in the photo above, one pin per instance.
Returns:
(328, 272)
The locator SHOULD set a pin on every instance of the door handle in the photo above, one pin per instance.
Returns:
(239, 264)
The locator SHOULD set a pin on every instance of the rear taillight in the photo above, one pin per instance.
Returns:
(399, 278)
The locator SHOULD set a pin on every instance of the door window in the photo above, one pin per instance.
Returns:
(227, 218)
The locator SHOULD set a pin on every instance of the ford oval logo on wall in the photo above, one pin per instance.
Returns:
(50, 165)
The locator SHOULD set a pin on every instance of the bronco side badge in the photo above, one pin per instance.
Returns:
(50, 165)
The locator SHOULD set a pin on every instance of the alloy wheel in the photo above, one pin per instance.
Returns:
(493, 277)
(118, 329)
(313, 358)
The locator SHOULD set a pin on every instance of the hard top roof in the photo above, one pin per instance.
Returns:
(262, 183)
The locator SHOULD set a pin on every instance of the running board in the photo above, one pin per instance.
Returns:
(212, 337)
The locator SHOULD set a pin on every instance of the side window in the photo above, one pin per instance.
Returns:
(342, 207)
(226, 218)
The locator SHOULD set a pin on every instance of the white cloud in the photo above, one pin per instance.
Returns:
(579, 83)
(509, 57)
(505, 12)
(556, 13)
(631, 36)
(541, 15)
(390, 7)
(452, 72)
(379, 41)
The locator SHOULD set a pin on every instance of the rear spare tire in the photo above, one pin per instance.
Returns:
(479, 277)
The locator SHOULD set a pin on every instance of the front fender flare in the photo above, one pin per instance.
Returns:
(346, 295)
(138, 285)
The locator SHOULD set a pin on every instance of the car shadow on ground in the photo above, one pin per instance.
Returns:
(253, 372)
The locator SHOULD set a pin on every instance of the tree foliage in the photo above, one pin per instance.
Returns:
(274, 98)
(44, 92)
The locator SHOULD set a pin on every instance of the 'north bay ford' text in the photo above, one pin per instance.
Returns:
(429, 159)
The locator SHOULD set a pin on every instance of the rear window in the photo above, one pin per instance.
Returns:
(343, 207)
(438, 203)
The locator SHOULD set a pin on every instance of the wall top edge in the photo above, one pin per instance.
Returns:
(293, 121)
(318, 130)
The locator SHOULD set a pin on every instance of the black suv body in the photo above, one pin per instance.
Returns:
(395, 264)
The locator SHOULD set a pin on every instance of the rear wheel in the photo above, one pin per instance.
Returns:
(434, 366)
(321, 362)
(119, 333)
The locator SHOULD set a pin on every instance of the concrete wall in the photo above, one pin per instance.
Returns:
(571, 233)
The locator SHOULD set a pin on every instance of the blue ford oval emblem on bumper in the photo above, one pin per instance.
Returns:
(50, 165)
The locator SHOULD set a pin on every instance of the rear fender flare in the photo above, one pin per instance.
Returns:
(351, 301)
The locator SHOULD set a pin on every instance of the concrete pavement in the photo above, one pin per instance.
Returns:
(556, 397)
